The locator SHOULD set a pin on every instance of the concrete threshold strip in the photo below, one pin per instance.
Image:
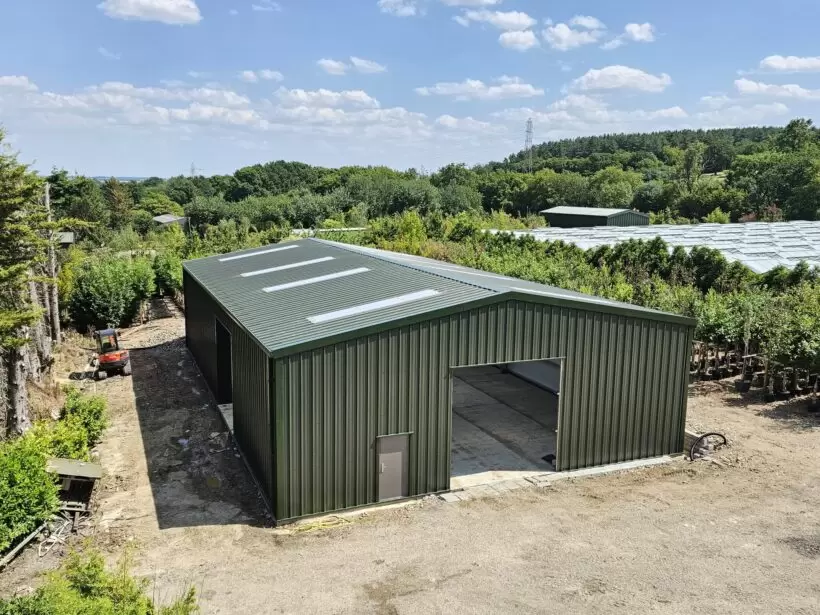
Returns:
(498, 488)
(485, 490)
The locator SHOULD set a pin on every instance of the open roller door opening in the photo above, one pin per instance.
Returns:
(505, 418)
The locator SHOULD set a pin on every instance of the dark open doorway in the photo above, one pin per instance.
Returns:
(224, 373)
(505, 418)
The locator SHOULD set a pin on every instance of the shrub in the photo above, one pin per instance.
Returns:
(83, 586)
(107, 293)
(28, 494)
(168, 273)
(67, 438)
(89, 411)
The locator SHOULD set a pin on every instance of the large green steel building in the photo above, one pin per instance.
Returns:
(341, 361)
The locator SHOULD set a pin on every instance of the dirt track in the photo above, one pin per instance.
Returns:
(673, 539)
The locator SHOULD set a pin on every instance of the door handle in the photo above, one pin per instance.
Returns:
(382, 468)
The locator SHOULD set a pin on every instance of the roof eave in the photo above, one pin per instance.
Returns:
(593, 306)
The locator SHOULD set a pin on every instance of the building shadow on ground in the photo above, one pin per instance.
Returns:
(195, 473)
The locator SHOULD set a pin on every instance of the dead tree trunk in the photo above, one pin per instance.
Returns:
(5, 406)
(39, 335)
(52, 302)
(18, 391)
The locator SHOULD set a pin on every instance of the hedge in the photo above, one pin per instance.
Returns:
(28, 493)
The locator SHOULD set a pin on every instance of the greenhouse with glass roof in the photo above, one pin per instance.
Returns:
(761, 246)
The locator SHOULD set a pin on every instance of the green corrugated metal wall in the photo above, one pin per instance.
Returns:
(628, 218)
(251, 388)
(623, 396)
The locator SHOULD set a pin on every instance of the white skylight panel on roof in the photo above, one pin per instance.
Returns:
(257, 253)
(468, 272)
(313, 261)
(372, 307)
(316, 280)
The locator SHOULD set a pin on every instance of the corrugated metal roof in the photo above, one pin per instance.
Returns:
(761, 246)
(601, 212)
(168, 218)
(308, 290)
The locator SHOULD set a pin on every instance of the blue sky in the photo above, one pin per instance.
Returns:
(148, 87)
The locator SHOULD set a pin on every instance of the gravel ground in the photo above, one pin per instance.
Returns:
(741, 538)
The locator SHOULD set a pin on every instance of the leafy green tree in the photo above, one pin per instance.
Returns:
(774, 178)
(613, 187)
(108, 292)
(119, 202)
(692, 164)
(549, 189)
(181, 189)
(456, 198)
(453, 174)
(717, 216)
(798, 135)
(157, 203)
(77, 197)
(502, 190)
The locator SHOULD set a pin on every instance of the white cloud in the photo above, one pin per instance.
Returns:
(509, 20)
(616, 42)
(473, 89)
(367, 66)
(563, 38)
(399, 8)
(791, 90)
(270, 75)
(108, 54)
(333, 67)
(581, 114)
(462, 21)
(198, 112)
(791, 64)
(622, 77)
(468, 125)
(520, 41)
(267, 6)
(177, 12)
(325, 98)
(640, 32)
(737, 115)
(588, 22)
(635, 32)
(265, 74)
(195, 74)
(716, 102)
(17, 82)
(210, 96)
(233, 12)
(471, 2)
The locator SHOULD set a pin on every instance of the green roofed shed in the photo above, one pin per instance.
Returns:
(576, 217)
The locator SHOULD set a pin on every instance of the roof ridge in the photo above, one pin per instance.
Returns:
(346, 248)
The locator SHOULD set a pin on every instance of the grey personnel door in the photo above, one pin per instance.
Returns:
(392, 466)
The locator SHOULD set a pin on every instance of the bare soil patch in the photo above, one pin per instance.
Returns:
(673, 539)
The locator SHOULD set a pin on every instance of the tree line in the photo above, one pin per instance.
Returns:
(734, 175)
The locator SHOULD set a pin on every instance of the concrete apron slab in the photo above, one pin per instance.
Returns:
(498, 488)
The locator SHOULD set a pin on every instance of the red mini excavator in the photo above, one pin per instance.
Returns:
(111, 359)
